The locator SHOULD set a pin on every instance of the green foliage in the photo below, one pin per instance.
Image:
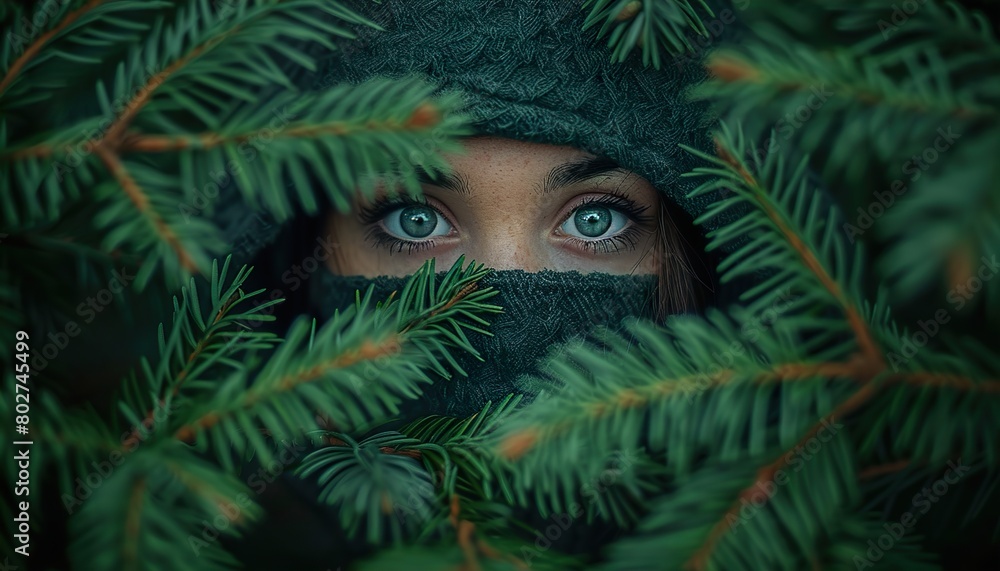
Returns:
(145, 514)
(789, 432)
(822, 489)
(204, 87)
(457, 448)
(210, 394)
(358, 367)
(901, 103)
(367, 485)
(658, 27)
(450, 556)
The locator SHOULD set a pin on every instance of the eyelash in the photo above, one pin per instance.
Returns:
(379, 238)
(627, 238)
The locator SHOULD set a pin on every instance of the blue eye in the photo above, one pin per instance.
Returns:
(416, 222)
(592, 221)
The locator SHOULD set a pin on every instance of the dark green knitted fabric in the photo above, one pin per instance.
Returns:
(528, 72)
(541, 311)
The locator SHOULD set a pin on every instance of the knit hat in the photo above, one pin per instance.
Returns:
(527, 71)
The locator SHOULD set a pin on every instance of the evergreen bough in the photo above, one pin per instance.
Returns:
(790, 432)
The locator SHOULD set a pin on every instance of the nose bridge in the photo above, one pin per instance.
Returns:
(505, 211)
(506, 243)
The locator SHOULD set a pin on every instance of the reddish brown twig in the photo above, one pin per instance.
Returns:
(39, 43)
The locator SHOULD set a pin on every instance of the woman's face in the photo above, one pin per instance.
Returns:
(511, 205)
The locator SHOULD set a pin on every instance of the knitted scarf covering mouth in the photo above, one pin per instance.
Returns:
(541, 311)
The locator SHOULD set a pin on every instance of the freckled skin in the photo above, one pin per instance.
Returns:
(506, 221)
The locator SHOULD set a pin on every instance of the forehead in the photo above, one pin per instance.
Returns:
(516, 166)
(501, 156)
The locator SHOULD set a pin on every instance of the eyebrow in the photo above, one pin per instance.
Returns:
(454, 182)
(560, 176)
(579, 170)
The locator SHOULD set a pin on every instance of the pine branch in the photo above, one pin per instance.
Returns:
(225, 29)
(790, 94)
(142, 514)
(745, 74)
(74, 440)
(908, 89)
(92, 24)
(206, 337)
(766, 475)
(413, 322)
(378, 127)
(459, 451)
(67, 440)
(455, 463)
(14, 69)
(368, 482)
(141, 202)
(794, 232)
(940, 240)
(766, 531)
(618, 396)
(871, 355)
(426, 115)
(359, 366)
(194, 59)
(610, 400)
(515, 446)
(655, 26)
